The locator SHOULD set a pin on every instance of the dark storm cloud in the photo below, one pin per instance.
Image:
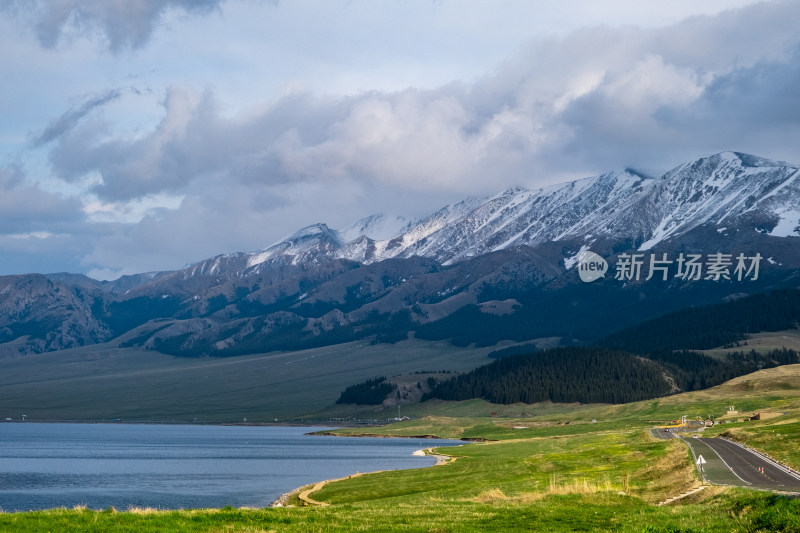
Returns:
(124, 24)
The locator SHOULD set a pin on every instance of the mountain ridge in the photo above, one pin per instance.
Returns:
(514, 251)
(515, 217)
(625, 203)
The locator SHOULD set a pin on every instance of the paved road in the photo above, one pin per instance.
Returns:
(662, 433)
(730, 464)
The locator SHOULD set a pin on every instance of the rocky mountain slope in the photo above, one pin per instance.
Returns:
(508, 259)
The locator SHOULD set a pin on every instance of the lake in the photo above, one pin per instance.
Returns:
(172, 467)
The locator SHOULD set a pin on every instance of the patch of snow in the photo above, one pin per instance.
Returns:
(570, 261)
(214, 267)
(788, 224)
(308, 231)
(777, 189)
(659, 235)
(378, 227)
(257, 259)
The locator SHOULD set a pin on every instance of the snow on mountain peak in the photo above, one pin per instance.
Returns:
(314, 230)
(718, 189)
(725, 189)
(749, 160)
(377, 227)
(306, 240)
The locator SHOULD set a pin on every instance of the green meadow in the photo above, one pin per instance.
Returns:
(84, 384)
(538, 467)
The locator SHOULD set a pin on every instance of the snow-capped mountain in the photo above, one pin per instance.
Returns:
(730, 192)
(482, 254)
(727, 190)
(519, 217)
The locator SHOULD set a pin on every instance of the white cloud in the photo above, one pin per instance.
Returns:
(255, 138)
(545, 109)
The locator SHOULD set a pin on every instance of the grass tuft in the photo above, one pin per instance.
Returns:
(579, 486)
(491, 496)
(143, 511)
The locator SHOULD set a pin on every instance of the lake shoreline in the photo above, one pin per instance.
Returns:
(306, 490)
(79, 440)
(318, 423)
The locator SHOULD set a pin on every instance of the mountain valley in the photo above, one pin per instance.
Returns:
(484, 272)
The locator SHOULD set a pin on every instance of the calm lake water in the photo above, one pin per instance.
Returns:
(171, 467)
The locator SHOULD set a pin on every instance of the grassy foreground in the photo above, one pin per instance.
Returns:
(734, 511)
(552, 470)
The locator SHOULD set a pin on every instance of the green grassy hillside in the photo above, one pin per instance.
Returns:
(105, 382)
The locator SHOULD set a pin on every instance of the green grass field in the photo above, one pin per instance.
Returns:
(103, 382)
(736, 511)
(544, 468)
(733, 511)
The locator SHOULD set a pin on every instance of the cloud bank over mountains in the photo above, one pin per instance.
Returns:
(149, 173)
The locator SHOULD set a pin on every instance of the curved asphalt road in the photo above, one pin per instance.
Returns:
(728, 463)
(660, 433)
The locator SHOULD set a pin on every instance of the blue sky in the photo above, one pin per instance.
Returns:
(148, 134)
